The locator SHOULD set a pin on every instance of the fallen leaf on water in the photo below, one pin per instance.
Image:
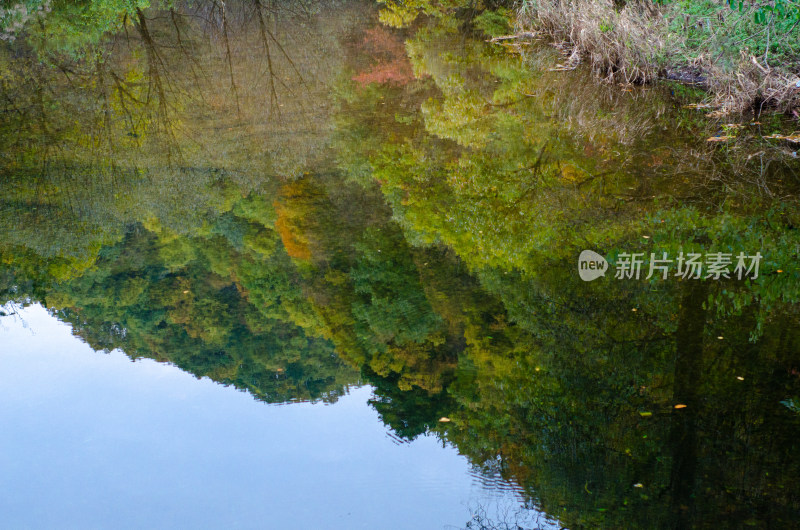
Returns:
(444, 419)
(794, 137)
(680, 406)
(645, 414)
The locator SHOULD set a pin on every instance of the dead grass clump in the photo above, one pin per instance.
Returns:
(637, 41)
(623, 45)
(752, 84)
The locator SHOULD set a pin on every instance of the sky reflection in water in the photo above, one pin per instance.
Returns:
(101, 441)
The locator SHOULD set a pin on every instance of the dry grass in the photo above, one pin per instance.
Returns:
(751, 84)
(623, 46)
(637, 44)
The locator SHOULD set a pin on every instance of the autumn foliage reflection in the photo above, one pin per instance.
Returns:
(389, 62)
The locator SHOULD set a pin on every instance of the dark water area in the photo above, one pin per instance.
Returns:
(348, 263)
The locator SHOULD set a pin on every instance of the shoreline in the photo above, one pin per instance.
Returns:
(641, 42)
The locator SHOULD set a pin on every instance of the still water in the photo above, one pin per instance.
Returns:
(99, 441)
(288, 266)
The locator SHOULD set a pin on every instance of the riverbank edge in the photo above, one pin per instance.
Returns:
(634, 45)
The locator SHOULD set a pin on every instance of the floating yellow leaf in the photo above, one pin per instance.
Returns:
(645, 414)
(794, 137)
(680, 406)
(444, 419)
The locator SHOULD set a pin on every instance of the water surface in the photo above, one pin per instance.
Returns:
(378, 229)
